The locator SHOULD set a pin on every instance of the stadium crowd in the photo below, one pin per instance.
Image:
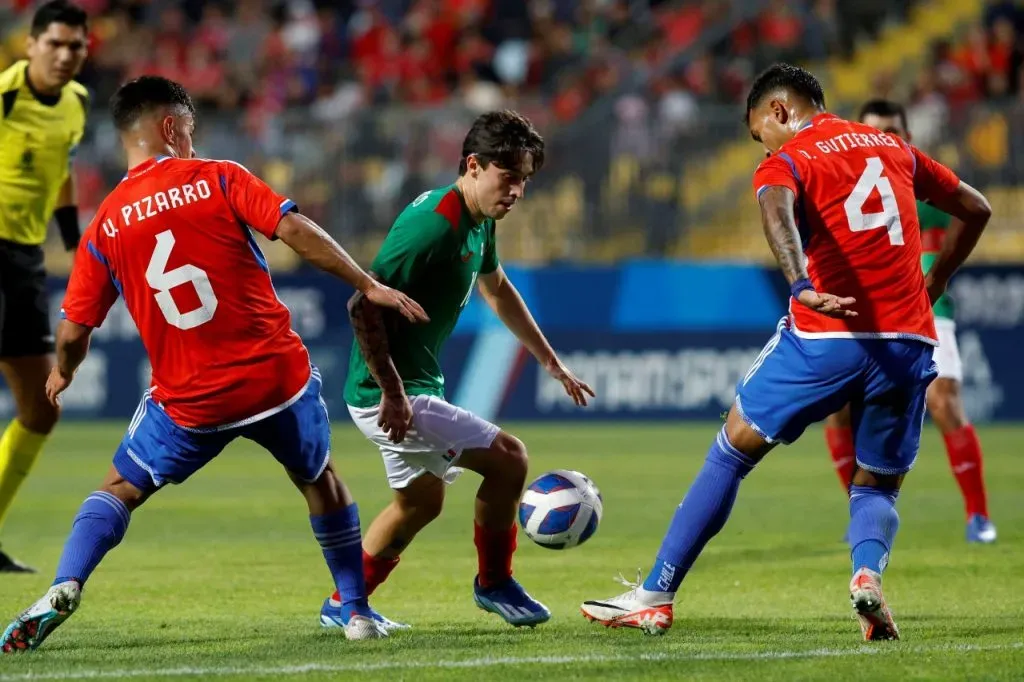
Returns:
(334, 98)
(340, 55)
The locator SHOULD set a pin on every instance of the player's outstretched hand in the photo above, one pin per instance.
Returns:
(828, 304)
(387, 297)
(56, 384)
(577, 390)
(395, 416)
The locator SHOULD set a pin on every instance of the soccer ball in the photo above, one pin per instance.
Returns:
(561, 509)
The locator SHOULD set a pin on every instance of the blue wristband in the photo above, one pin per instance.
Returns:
(800, 285)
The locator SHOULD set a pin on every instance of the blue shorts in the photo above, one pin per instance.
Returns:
(155, 450)
(796, 382)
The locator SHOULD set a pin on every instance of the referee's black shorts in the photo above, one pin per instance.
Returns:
(24, 307)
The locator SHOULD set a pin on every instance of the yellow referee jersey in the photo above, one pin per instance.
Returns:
(38, 139)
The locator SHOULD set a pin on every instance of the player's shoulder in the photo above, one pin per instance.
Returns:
(13, 77)
(11, 80)
(79, 92)
(220, 163)
(439, 207)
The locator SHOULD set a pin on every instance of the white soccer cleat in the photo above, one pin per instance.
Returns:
(363, 627)
(37, 622)
(649, 612)
(875, 618)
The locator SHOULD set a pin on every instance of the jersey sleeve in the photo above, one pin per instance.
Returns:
(931, 178)
(415, 241)
(778, 170)
(490, 261)
(252, 200)
(92, 289)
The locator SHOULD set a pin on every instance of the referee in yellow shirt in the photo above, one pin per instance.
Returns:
(43, 119)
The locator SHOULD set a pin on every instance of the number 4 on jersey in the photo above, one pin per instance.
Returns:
(872, 179)
(164, 280)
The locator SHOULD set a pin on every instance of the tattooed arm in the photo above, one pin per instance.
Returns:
(371, 335)
(779, 222)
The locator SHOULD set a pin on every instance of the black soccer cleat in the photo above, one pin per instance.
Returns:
(9, 564)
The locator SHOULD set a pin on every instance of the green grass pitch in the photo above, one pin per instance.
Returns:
(221, 579)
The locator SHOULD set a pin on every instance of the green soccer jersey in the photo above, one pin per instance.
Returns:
(433, 253)
(933, 230)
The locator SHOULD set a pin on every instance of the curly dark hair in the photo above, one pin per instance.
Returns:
(785, 77)
(502, 138)
(137, 98)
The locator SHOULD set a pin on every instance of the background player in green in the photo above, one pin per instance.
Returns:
(42, 120)
(438, 250)
(944, 402)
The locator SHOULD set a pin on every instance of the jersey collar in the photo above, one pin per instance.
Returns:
(45, 100)
(145, 166)
(817, 120)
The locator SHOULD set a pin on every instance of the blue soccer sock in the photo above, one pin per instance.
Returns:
(873, 526)
(342, 543)
(702, 513)
(100, 525)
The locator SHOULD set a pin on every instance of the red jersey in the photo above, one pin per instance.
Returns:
(856, 211)
(173, 238)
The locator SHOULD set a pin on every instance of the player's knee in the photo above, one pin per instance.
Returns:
(839, 420)
(422, 501)
(945, 406)
(512, 457)
(40, 416)
(116, 485)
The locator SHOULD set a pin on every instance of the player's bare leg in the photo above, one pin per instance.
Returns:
(503, 466)
(839, 438)
(703, 512)
(25, 436)
(946, 407)
(99, 526)
(412, 508)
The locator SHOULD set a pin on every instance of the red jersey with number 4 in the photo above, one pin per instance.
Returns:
(173, 238)
(855, 190)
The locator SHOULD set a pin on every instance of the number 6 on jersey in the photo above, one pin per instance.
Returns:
(163, 280)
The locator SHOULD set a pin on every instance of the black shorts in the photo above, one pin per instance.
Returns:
(24, 305)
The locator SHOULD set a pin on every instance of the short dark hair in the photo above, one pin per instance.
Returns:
(885, 108)
(785, 77)
(58, 12)
(139, 97)
(502, 138)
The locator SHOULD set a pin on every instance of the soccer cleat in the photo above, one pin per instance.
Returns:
(980, 530)
(651, 614)
(875, 618)
(510, 601)
(9, 564)
(363, 627)
(34, 625)
(331, 616)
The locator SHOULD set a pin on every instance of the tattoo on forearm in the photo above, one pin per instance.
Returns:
(371, 334)
(780, 229)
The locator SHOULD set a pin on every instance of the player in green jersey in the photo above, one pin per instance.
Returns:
(944, 402)
(440, 248)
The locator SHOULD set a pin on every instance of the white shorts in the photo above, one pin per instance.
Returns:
(439, 434)
(947, 355)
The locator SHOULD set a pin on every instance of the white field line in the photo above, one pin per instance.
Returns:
(489, 662)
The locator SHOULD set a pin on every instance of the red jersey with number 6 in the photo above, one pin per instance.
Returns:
(855, 193)
(173, 238)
